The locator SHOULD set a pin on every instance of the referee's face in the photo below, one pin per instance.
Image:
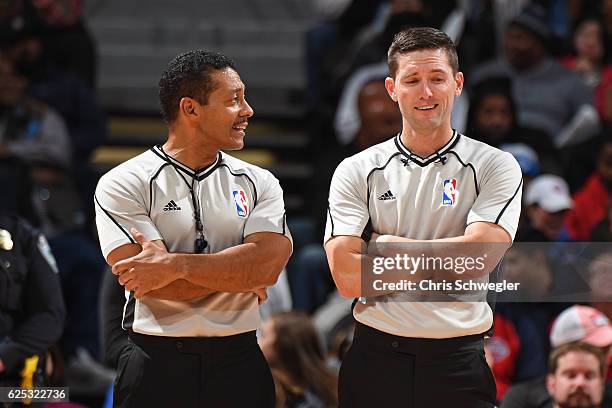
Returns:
(224, 119)
(425, 87)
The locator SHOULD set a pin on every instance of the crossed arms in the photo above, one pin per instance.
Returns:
(345, 254)
(148, 269)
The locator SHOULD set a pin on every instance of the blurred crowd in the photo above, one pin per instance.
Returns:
(539, 85)
(50, 123)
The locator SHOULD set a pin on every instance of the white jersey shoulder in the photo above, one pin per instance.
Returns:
(475, 151)
(489, 163)
(135, 171)
(372, 157)
(240, 166)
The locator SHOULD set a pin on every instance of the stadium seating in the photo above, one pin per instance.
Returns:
(137, 39)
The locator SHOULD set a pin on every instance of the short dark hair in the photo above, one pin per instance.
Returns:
(421, 38)
(189, 74)
(557, 353)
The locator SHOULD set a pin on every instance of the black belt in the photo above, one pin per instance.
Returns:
(418, 345)
(196, 344)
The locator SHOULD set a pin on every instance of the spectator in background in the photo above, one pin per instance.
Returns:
(583, 323)
(23, 121)
(60, 24)
(592, 201)
(591, 62)
(554, 13)
(366, 116)
(342, 22)
(31, 304)
(69, 95)
(547, 208)
(68, 42)
(492, 119)
(547, 202)
(548, 97)
(576, 376)
(35, 135)
(31, 131)
(293, 349)
(576, 325)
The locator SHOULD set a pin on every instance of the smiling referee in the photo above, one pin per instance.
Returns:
(195, 236)
(428, 184)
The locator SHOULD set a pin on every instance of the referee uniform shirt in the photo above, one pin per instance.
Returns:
(404, 195)
(153, 193)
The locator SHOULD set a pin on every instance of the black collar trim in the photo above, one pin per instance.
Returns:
(432, 157)
(198, 175)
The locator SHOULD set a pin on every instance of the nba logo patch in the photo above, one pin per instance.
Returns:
(240, 199)
(449, 194)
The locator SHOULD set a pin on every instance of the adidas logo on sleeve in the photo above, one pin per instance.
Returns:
(387, 196)
(171, 206)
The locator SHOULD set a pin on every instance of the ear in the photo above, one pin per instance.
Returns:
(390, 85)
(459, 79)
(188, 107)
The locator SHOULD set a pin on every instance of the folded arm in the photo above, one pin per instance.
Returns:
(345, 254)
(176, 290)
(247, 267)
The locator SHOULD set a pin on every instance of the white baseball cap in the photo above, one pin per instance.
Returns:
(581, 323)
(550, 192)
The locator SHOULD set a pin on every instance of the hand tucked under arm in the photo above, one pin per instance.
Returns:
(149, 269)
(248, 267)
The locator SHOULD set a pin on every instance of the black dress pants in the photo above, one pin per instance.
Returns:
(383, 370)
(193, 372)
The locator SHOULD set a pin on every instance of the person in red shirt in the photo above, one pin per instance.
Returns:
(592, 200)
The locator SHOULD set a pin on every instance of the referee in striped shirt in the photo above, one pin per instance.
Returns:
(427, 186)
(195, 236)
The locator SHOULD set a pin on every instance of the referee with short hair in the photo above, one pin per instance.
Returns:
(428, 184)
(195, 236)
